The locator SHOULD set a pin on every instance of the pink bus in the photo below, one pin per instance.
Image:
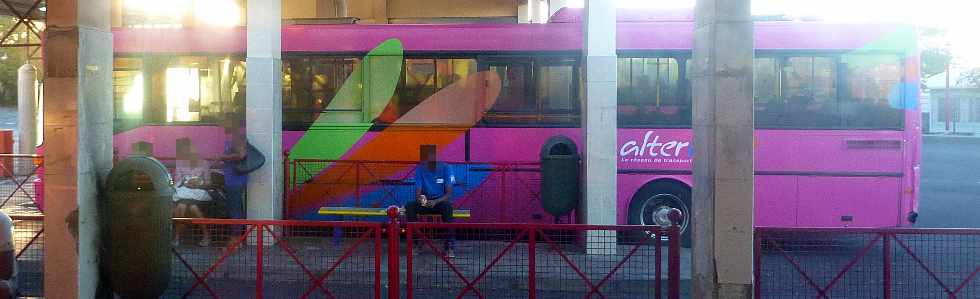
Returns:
(836, 108)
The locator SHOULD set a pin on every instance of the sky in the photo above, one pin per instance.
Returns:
(960, 18)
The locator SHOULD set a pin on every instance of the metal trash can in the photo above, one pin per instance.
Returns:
(560, 175)
(136, 227)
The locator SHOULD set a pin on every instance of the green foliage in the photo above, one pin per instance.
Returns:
(11, 59)
(970, 78)
(935, 51)
(934, 61)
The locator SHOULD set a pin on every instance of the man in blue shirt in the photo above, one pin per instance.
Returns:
(433, 189)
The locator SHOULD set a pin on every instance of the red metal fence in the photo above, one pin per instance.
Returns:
(319, 259)
(867, 263)
(29, 250)
(19, 183)
(304, 259)
(540, 261)
(278, 259)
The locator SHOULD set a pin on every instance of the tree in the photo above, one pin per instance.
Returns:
(934, 61)
(935, 54)
(11, 59)
(969, 78)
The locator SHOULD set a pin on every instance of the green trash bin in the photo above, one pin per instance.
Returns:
(137, 227)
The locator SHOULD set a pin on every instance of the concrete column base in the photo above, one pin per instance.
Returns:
(734, 291)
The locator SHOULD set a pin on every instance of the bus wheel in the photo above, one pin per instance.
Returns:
(651, 204)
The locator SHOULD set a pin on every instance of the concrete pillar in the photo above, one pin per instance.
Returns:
(78, 131)
(599, 114)
(263, 107)
(26, 117)
(723, 149)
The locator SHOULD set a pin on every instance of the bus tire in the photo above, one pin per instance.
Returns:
(662, 195)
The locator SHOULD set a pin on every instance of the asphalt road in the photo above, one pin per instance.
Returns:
(950, 183)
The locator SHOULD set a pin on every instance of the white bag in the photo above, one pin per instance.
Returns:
(192, 194)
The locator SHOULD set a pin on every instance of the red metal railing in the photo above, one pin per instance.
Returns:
(318, 259)
(18, 174)
(279, 259)
(866, 263)
(539, 260)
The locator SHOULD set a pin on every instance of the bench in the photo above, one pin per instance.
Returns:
(372, 212)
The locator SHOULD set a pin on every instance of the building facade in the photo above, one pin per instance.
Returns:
(951, 110)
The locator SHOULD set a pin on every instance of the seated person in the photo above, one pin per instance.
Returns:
(8, 261)
(191, 194)
(433, 189)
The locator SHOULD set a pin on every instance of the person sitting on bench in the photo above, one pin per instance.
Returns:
(433, 189)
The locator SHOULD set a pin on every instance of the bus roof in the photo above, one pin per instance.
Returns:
(666, 35)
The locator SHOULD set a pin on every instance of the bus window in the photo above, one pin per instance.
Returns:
(513, 91)
(418, 83)
(796, 92)
(422, 78)
(177, 89)
(541, 90)
(327, 76)
(809, 92)
(448, 71)
(874, 93)
(310, 86)
(556, 87)
(128, 91)
(769, 108)
(654, 91)
(293, 90)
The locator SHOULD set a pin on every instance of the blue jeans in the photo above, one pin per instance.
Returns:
(236, 204)
(444, 209)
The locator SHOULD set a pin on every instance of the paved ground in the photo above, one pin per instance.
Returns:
(950, 195)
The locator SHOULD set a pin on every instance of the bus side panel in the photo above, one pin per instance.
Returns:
(515, 144)
(823, 152)
(775, 200)
(848, 201)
